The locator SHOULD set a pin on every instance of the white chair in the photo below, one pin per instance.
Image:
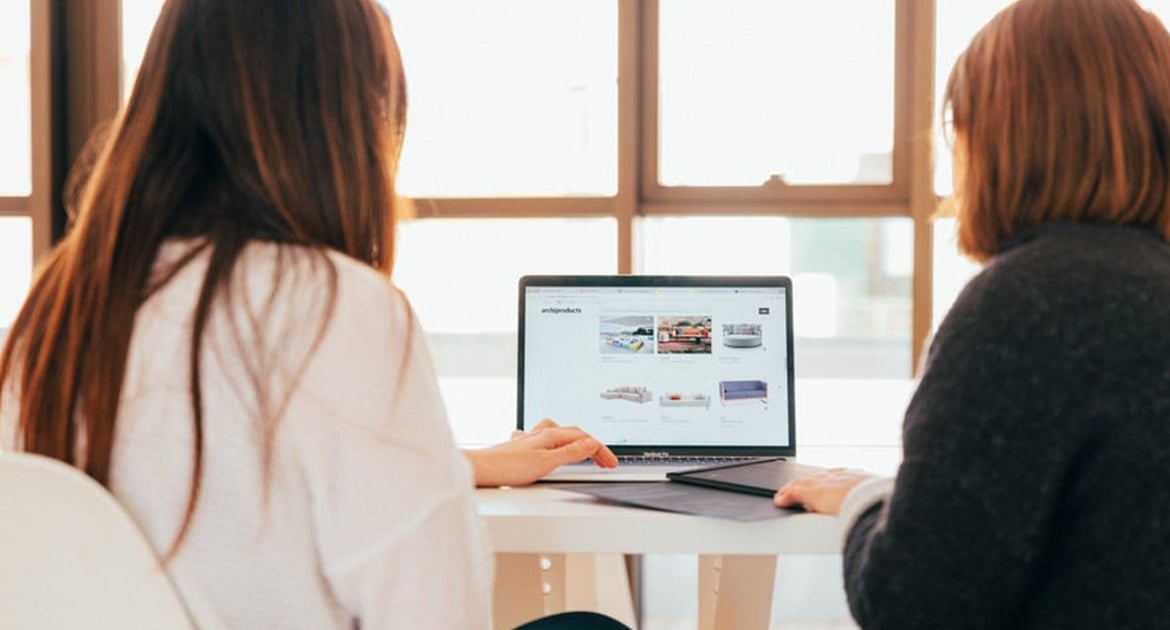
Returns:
(71, 557)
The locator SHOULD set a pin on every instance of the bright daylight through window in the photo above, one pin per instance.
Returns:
(15, 157)
(519, 98)
(802, 92)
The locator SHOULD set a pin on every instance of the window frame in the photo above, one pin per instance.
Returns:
(883, 199)
(910, 194)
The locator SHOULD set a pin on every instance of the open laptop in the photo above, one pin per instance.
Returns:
(671, 372)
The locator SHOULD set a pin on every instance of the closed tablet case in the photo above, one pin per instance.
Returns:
(759, 477)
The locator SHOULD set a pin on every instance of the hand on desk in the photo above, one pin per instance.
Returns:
(823, 493)
(530, 455)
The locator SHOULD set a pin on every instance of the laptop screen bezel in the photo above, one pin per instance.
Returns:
(640, 281)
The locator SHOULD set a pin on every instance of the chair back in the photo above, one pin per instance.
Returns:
(71, 557)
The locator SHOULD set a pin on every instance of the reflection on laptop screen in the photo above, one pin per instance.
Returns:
(698, 364)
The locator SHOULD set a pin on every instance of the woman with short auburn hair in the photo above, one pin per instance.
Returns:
(1057, 122)
(217, 341)
(1032, 491)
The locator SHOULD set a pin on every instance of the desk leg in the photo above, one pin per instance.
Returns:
(611, 593)
(518, 590)
(530, 586)
(597, 582)
(735, 591)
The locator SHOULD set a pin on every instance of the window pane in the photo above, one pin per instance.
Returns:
(1160, 8)
(956, 22)
(509, 97)
(15, 106)
(15, 267)
(851, 280)
(461, 276)
(138, 17)
(751, 89)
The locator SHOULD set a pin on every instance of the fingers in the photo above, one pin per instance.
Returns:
(604, 457)
(571, 444)
(585, 448)
(795, 492)
(555, 436)
(823, 493)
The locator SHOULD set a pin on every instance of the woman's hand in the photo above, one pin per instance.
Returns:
(823, 493)
(530, 455)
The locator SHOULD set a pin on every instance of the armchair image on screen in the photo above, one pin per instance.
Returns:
(743, 335)
(730, 391)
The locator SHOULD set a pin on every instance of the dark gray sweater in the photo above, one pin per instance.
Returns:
(1035, 486)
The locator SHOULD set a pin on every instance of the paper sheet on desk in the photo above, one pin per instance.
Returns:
(677, 497)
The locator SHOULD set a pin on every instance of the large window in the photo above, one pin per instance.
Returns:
(643, 136)
(16, 234)
(570, 136)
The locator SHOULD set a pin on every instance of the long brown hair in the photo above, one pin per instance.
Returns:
(251, 120)
(1063, 109)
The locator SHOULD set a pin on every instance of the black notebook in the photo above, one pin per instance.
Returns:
(761, 477)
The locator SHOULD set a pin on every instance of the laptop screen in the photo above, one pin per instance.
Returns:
(662, 363)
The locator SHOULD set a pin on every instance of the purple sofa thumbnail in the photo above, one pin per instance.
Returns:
(742, 390)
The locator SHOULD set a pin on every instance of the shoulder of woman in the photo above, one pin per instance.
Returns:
(313, 284)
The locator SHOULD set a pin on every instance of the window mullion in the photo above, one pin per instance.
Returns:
(40, 203)
(920, 34)
(630, 25)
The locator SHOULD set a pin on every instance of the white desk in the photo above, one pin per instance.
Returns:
(559, 550)
(540, 519)
(574, 543)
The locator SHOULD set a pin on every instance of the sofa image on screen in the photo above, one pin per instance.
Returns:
(627, 392)
(743, 390)
(684, 400)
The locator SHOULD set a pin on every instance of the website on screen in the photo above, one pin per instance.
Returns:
(653, 365)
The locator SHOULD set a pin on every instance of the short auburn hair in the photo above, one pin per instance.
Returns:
(1063, 109)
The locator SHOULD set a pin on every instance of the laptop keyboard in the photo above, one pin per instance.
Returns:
(689, 460)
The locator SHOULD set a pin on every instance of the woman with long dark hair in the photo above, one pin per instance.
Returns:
(217, 342)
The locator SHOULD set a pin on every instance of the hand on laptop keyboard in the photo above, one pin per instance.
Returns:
(530, 455)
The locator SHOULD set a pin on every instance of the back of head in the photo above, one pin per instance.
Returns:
(1061, 109)
(270, 120)
(275, 119)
